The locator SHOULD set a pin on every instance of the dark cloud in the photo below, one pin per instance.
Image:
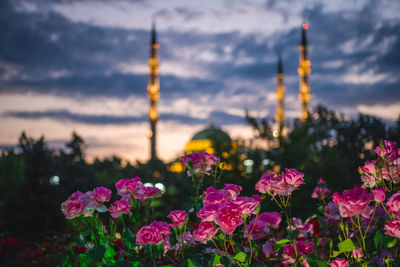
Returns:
(220, 117)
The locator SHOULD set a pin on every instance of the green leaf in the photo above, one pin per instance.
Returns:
(97, 253)
(193, 263)
(316, 262)
(217, 260)
(279, 244)
(389, 241)
(335, 253)
(378, 238)
(241, 257)
(346, 245)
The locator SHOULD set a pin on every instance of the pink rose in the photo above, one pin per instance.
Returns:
(332, 211)
(201, 162)
(178, 217)
(72, 208)
(264, 184)
(357, 253)
(272, 219)
(89, 200)
(355, 201)
(293, 177)
(304, 248)
(229, 217)
(102, 194)
(152, 192)
(204, 232)
(247, 205)
(148, 235)
(120, 207)
(389, 150)
(256, 229)
(321, 193)
(339, 262)
(215, 197)
(208, 212)
(161, 227)
(269, 247)
(368, 173)
(379, 195)
(125, 187)
(394, 205)
(393, 228)
(75, 196)
(232, 191)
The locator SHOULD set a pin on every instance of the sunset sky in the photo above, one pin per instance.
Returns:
(82, 65)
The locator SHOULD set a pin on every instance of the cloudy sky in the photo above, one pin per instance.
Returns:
(82, 65)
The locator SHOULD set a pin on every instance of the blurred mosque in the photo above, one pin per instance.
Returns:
(213, 140)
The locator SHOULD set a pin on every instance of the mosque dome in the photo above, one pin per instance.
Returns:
(211, 140)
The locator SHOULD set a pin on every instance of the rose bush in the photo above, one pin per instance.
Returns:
(357, 227)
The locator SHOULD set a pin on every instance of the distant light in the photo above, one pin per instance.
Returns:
(275, 133)
(55, 180)
(305, 26)
(248, 162)
(148, 184)
(160, 186)
(265, 162)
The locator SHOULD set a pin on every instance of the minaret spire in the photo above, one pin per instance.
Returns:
(304, 71)
(280, 95)
(153, 90)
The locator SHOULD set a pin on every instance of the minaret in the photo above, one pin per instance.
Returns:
(153, 89)
(280, 95)
(304, 71)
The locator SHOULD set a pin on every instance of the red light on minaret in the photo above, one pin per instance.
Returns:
(305, 27)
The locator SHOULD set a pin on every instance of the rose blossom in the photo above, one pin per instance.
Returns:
(102, 194)
(204, 232)
(125, 187)
(201, 162)
(304, 248)
(214, 197)
(256, 229)
(228, 218)
(389, 150)
(247, 205)
(332, 211)
(339, 262)
(353, 201)
(357, 253)
(178, 217)
(394, 204)
(148, 235)
(264, 184)
(208, 212)
(152, 192)
(120, 207)
(368, 173)
(75, 195)
(232, 191)
(272, 219)
(321, 192)
(379, 195)
(72, 208)
(161, 227)
(293, 177)
(268, 248)
(393, 228)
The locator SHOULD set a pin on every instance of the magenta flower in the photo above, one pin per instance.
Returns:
(272, 219)
(264, 184)
(389, 152)
(102, 194)
(340, 262)
(269, 248)
(204, 232)
(321, 192)
(201, 162)
(148, 235)
(229, 218)
(214, 197)
(393, 228)
(247, 205)
(232, 191)
(72, 208)
(394, 205)
(256, 229)
(152, 192)
(126, 187)
(293, 177)
(75, 195)
(120, 207)
(304, 248)
(379, 195)
(332, 211)
(369, 173)
(178, 217)
(208, 212)
(283, 184)
(161, 227)
(357, 253)
(354, 201)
